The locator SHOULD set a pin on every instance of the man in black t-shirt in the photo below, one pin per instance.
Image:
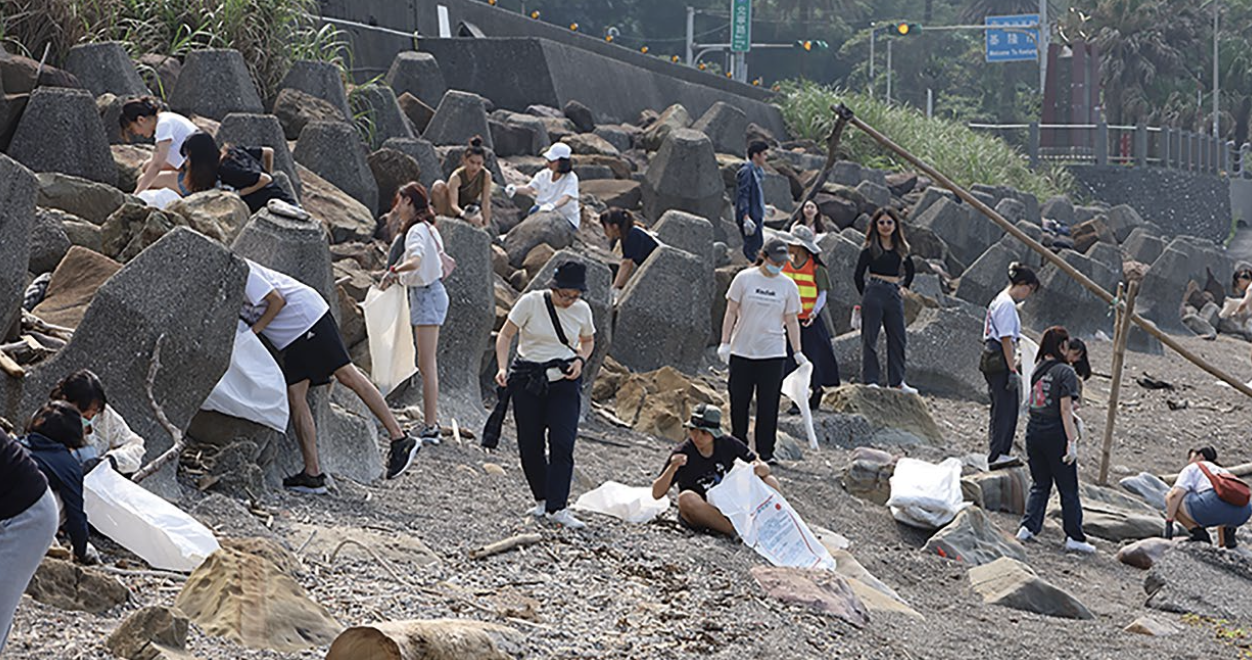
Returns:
(700, 463)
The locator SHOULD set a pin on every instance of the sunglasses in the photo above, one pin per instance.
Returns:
(1245, 275)
(886, 222)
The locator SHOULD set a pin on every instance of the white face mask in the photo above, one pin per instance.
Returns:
(772, 269)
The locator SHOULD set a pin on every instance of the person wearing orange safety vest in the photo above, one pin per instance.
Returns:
(810, 276)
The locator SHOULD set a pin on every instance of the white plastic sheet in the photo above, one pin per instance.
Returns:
(796, 387)
(159, 532)
(766, 522)
(393, 357)
(1027, 351)
(159, 197)
(630, 503)
(253, 388)
(924, 494)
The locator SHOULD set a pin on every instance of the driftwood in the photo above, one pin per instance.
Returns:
(510, 543)
(179, 440)
(832, 148)
(10, 366)
(32, 322)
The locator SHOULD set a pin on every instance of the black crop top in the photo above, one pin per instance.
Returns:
(887, 265)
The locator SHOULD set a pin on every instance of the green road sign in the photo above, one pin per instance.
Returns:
(740, 26)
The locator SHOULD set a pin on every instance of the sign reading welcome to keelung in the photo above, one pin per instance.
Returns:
(1015, 40)
(740, 26)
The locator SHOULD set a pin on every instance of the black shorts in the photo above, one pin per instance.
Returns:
(316, 355)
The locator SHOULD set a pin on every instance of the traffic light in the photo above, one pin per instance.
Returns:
(905, 29)
(808, 45)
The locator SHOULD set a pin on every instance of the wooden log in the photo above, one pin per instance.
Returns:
(422, 640)
(1121, 333)
(510, 543)
(832, 147)
(10, 366)
(175, 433)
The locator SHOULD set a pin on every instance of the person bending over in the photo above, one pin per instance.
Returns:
(54, 432)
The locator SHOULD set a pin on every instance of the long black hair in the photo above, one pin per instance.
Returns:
(1082, 366)
(203, 158)
(132, 110)
(60, 422)
(1055, 341)
(82, 389)
(873, 241)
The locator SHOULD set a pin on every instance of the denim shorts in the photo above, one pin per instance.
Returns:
(428, 305)
(1209, 510)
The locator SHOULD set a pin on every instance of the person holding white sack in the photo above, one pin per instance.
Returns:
(555, 188)
(1002, 331)
(107, 435)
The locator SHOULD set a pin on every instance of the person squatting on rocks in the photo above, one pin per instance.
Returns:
(54, 432)
(1052, 442)
(245, 171)
(466, 195)
(420, 270)
(811, 217)
(297, 321)
(554, 188)
(107, 435)
(762, 316)
(885, 256)
(750, 200)
(1195, 503)
(813, 282)
(144, 117)
(698, 464)
(28, 525)
(1002, 330)
(637, 244)
(545, 385)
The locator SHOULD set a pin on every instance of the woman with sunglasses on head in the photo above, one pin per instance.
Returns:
(885, 257)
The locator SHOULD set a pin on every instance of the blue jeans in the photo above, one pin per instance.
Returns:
(24, 539)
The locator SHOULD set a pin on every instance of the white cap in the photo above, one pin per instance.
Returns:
(557, 151)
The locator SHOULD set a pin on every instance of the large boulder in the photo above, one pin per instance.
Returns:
(345, 218)
(134, 227)
(966, 232)
(655, 403)
(824, 591)
(89, 200)
(582, 116)
(1149, 487)
(1089, 233)
(67, 586)
(430, 638)
(334, 151)
(296, 109)
(247, 130)
(672, 118)
(1011, 583)
(972, 538)
(541, 228)
(459, 117)
(987, 276)
(378, 104)
(213, 84)
(684, 175)
(466, 334)
(726, 126)
(392, 169)
(1058, 208)
(48, 242)
(17, 219)
(1163, 286)
(1112, 515)
(1145, 553)
(105, 68)
(999, 490)
(1199, 579)
(417, 74)
(1142, 246)
(616, 192)
(687, 232)
(1123, 220)
(322, 80)
(868, 474)
(515, 134)
(889, 412)
(418, 113)
(218, 214)
(147, 632)
(1085, 314)
(74, 284)
(424, 153)
(840, 256)
(662, 316)
(61, 131)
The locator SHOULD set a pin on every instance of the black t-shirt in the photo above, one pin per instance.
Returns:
(704, 472)
(1046, 392)
(637, 245)
(242, 168)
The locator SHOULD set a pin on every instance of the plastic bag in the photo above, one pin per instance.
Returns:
(855, 321)
(1027, 351)
(629, 503)
(766, 522)
(796, 387)
(924, 494)
(160, 533)
(393, 357)
(253, 388)
(159, 197)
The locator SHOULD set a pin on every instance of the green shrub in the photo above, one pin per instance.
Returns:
(954, 149)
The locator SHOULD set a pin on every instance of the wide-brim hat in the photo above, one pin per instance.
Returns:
(804, 237)
(570, 275)
(706, 418)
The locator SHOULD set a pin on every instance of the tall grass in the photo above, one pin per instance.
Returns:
(960, 153)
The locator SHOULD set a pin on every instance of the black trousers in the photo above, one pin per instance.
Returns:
(546, 429)
(1004, 406)
(1044, 452)
(764, 377)
(882, 306)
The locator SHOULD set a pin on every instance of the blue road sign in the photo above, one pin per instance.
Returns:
(1016, 41)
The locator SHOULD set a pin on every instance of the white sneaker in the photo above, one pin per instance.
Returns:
(540, 510)
(904, 387)
(872, 386)
(279, 207)
(431, 435)
(566, 519)
(1079, 546)
(1025, 535)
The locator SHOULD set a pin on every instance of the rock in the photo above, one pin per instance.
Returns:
(214, 83)
(424, 153)
(967, 234)
(1199, 326)
(929, 197)
(590, 144)
(1145, 553)
(972, 538)
(1085, 313)
(48, 242)
(673, 117)
(778, 192)
(1153, 627)
(89, 200)
(417, 74)
(1113, 516)
(60, 131)
(261, 131)
(20, 75)
(614, 192)
(1089, 233)
(418, 113)
(321, 80)
(218, 214)
(296, 109)
(876, 194)
(1059, 209)
(558, 128)
(345, 218)
(160, 72)
(901, 183)
(466, 334)
(537, 258)
(1149, 487)
(392, 169)
(868, 474)
(840, 256)
(1000, 490)
(517, 134)
(549, 228)
(1183, 580)
(1183, 260)
(757, 133)
(621, 136)
(889, 411)
(67, 586)
(726, 127)
(105, 68)
(1011, 583)
(584, 120)
(74, 284)
(378, 104)
(133, 228)
(17, 223)
(1123, 220)
(824, 591)
(684, 175)
(662, 314)
(442, 639)
(459, 117)
(687, 232)
(840, 211)
(987, 276)
(333, 151)
(148, 626)
(78, 231)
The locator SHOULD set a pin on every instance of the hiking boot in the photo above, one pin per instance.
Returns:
(1200, 535)
(1232, 537)
(540, 510)
(401, 456)
(279, 207)
(303, 483)
(1081, 547)
(431, 435)
(566, 519)
(1025, 535)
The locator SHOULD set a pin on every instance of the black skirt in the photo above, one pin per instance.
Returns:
(816, 344)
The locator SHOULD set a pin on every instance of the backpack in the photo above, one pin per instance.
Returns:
(1230, 489)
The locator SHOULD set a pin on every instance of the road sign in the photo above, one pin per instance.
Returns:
(740, 26)
(1016, 38)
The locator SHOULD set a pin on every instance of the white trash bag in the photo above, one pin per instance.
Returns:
(629, 503)
(393, 357)
(253, 388)
(796, 387)
(159, 197)
(924, 494)
(1027, 351)
(766, 522)
(160, 533)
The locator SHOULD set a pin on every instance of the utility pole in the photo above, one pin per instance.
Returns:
(691, 35)
(873, 32)
(1045, 37)
(1217, 93)
(889, 71)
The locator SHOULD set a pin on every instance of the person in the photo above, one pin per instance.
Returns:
(1052, 443)
(246, 171)
(144, 117)
(1195, 504)
(28, 525)
(885, 256)
(810, 216)
(750, 200)
(554, 188)
(472, 184)
(1002, 329)
(637, 244)
(699, 463)
(421, 271)
(108, 436)
(555, 338)
(54, 432)
(762, 317)
(297, 321)
(806, 269)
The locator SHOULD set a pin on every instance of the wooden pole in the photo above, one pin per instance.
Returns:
(1121, 334)
(842, 115)
(1047, 254)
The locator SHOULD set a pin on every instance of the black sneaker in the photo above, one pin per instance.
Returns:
(1200, 535)
(301, 482)
(401, 456)
(1232, 537)
(771, 461)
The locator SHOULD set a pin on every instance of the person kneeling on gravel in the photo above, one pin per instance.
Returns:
(700, 463)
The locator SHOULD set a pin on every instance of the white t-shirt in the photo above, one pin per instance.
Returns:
(175, 128)
(1193, 480)
(764, 305)
(304, 308)
(423, 243)
(1002, 319)
(536, 338)
(550, 192)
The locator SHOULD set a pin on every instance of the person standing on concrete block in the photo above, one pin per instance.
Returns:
(762, 317)
(297, 321)
(554, 188)
(545, 384)
(806, 269)
(144, 117)
(886, 258)
(750, 200)
(998, 363)
(28, 524)
(637, 244)
(466, 195)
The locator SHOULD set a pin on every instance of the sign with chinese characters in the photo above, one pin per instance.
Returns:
(740, 26)
(1015, 38)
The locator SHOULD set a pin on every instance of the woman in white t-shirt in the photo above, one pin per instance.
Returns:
(1001, 331)
(1195, 504)
(762, 315)
(144, 117)
(554, 188)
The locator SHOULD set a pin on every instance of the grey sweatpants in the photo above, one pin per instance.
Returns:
(24, 540)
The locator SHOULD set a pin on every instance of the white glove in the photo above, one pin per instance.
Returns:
(723, 353)
(855, 322)
(510, 190)
(801, 359)
(1071, 453)
(91, 557)
(749, 227)
(614, 295)
(547, 207)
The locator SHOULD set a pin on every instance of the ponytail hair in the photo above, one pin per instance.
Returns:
(475, 147)
(1020, 273)
(132, 110)
(618, 217)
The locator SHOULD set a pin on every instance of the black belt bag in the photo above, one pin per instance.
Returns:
(992, 362)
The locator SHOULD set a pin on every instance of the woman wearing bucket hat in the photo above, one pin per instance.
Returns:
(762, 308)
(554, 188)
(545, 384)
(809, 274)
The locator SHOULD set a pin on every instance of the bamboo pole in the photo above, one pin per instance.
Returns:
(1047, 254)
(1121, 334)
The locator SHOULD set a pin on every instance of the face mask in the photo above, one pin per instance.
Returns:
(86, 426)
(772, 269)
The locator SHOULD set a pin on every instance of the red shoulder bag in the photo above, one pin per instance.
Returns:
(1230, 489)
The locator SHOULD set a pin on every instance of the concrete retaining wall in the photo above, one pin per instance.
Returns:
(1178, 202)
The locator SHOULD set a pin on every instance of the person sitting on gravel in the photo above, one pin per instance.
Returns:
(144, 117)
(54, 432)
(1002, 330)
(1196, 504)
(698, 464)
(28, 525)
(108, 436)
(554, 188)
(637, 244)
(297, 321)
(750, 200)
(246, 171)
(466, 195)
